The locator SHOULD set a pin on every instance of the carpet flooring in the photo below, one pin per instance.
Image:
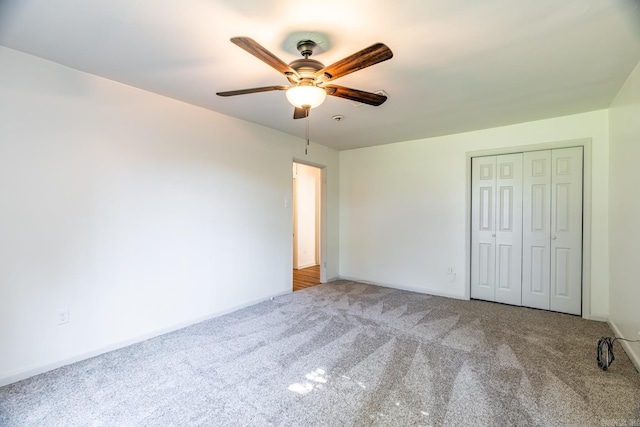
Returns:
(346, 354)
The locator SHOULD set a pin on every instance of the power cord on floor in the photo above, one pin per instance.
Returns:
(606, 344)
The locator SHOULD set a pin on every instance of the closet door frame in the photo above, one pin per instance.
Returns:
(586, 210)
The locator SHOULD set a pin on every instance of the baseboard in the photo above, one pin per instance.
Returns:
(598, 317)
(302, 267)
(23, 374)
(634, 355)
(405, 288)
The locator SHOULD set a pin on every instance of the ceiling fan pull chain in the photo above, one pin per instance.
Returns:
(306, 110)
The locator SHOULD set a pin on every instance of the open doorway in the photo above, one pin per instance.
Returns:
(307, 190)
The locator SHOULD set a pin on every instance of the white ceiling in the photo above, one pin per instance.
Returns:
(458, 65)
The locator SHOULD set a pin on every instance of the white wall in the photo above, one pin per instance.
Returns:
(137, 212)
(403, 206)
(624, 203)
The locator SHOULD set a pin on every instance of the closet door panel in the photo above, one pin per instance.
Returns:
(536, 217)
(483, 177)
(566, 231)
(508, 241)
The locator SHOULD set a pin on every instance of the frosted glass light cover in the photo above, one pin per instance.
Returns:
(299, 96)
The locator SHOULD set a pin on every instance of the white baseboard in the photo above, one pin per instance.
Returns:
(405, 288)
(302, 267)
(23, 374)
(598, 317)
(633, 354)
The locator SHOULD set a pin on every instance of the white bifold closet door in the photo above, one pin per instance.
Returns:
(526, 229)
(552, 230)
(496, 235)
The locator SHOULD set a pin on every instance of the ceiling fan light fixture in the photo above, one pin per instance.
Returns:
(306, 95)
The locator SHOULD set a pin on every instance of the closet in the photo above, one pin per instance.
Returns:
(526, 229)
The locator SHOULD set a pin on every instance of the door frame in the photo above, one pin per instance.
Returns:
(585, 143)
(321, 234)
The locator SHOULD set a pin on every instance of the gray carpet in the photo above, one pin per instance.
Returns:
(345, 354)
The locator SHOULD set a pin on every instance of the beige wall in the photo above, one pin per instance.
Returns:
(624, 202)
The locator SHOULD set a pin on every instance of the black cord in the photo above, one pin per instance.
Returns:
(606, 343)
(602, 362)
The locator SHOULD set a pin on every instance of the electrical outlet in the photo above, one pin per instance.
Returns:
(449, 271)
(62, 316)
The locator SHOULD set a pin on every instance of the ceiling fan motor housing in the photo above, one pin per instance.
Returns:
(306, 67)
(306, 47)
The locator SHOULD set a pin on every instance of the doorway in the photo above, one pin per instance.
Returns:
(307, 191)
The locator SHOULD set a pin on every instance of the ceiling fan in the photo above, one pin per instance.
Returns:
(309, 77)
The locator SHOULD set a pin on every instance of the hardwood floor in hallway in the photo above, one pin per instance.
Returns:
(306, 277)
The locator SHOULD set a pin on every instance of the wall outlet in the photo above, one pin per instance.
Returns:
(449, 271)
(62, 316)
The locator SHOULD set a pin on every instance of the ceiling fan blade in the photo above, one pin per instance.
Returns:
(253, 90)
(257, 50)
(300, 113)
(365, 58)
(355, 95)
